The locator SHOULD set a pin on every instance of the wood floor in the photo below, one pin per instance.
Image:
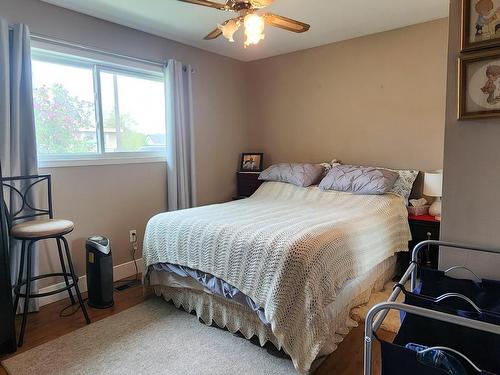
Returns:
(46, 325)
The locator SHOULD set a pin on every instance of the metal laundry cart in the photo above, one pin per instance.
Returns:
(379, 312)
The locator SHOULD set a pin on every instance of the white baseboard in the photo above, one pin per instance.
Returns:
(120, 271)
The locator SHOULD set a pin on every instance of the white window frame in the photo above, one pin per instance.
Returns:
(101, 157)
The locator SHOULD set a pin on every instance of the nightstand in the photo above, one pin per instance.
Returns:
(422, 228)
(425, 228)
(247, 183)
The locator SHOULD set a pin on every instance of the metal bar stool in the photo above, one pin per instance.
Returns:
(30, 232)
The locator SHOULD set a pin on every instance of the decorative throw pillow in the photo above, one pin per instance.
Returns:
(329, 165)
(404, 184)
(359, 180)
(300, 174)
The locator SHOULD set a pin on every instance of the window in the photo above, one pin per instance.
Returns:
(88, 110)
(133, 110)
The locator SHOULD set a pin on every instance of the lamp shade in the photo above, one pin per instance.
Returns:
(433, 184)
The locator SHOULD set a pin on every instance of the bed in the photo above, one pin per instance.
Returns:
(286, 265)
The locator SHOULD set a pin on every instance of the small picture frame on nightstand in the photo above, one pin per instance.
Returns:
(252, 162)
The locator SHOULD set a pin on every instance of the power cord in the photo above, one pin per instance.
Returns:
(127, 283)
(123, 284)
(73, 312)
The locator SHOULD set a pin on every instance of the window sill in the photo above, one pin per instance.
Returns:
(84, 162)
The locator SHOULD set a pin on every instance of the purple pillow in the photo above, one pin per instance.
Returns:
(359, 180)
(300, 174)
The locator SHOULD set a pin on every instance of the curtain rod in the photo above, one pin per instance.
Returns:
(62, 42)
(65, 43)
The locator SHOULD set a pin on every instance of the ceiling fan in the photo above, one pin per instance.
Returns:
(254, 23)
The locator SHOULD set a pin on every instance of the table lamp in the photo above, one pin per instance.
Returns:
(433, 187)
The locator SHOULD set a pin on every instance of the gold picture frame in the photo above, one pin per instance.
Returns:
(480, 24)
(479, 85)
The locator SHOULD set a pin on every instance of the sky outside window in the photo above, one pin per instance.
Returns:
(133, 109)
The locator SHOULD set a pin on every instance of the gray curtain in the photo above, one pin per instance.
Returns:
(17, 123)
(181, 189)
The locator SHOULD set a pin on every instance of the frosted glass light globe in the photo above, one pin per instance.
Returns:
(254, 29)
(229, 29)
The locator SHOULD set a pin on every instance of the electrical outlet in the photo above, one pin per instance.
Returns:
(132, 236)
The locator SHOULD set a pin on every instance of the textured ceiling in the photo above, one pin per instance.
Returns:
(330, 20)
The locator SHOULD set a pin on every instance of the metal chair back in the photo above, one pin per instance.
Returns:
(20, 188)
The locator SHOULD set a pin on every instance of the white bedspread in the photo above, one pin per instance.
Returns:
(290, 249)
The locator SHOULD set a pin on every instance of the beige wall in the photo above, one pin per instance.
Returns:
(375, 100)
(471, 203)
(108, 200)
(130, 194)
(372, 100)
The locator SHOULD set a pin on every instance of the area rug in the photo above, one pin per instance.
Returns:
(151, 338)
(392, 322)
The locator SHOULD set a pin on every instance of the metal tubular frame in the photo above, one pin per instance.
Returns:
(449, 318)
(379, 312)
(8, 182)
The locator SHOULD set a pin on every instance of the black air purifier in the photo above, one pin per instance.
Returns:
(99, 272)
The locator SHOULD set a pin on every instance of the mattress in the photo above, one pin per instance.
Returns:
(290, 249)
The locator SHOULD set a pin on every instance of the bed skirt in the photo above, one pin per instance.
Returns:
(238, 318)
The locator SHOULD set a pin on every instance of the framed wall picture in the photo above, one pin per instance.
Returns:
(480, 24)
(251, 162)
(479, 91)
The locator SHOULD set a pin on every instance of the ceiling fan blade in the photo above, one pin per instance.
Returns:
(286, 23)
(213, 34)
(206, 3)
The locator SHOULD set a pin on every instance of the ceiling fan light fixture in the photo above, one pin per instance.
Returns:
(254, 23)
(254, 29)
(229, 29)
